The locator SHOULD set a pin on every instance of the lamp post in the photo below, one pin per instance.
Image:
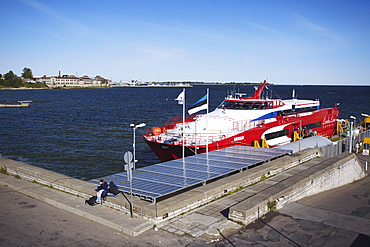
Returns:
(351, 135)
(134, 127)
(300, 133)
(365, 152)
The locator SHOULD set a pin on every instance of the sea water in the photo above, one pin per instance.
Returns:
(84, 133)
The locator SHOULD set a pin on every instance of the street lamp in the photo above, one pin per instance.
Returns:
(366, 152)
(351, 134)
(134, 127)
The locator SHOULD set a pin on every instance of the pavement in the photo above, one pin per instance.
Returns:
(106, 216)
(339, 217)
(26, 221)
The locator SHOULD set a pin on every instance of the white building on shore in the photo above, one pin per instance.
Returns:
(73, 81)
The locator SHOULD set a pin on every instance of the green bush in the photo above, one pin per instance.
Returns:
(271, 206)
(3, 170)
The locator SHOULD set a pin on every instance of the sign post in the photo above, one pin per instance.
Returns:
(365, 152)
(128, 168)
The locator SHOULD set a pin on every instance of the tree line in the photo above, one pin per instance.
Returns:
(12, 80)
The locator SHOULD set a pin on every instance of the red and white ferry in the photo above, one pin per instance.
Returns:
(239, 120)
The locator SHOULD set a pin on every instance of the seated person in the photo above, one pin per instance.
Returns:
(102, 190)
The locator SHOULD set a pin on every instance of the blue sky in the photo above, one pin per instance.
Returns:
(288, 42)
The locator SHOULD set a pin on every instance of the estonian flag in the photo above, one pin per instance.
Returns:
(180, 98)
(201, 104)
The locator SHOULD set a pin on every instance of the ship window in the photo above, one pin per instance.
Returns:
(264, 105)
(256, 105)
(228, 105)
(238, 105)
(306, 109)
(312, 125)
(276, 134)
(286, 112)
(245, 105)
(297, 110)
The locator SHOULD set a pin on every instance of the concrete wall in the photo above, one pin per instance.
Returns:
(321, 176)
(58, 181)
(178, 204)
(172, 206)
(308, 179)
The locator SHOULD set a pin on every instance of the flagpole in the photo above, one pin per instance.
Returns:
(181, 101)
(207, 121)
(183, 134)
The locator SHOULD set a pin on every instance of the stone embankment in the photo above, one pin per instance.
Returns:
(245, 196)
(310, 178)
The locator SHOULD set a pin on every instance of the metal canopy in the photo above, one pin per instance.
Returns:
(310, 142)
(155, 181)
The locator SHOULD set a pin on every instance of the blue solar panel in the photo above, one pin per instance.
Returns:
(153, 182)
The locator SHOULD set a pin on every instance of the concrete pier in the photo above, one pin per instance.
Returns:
(315, 176)
(24, 103)
(167, 208)
(240, 197)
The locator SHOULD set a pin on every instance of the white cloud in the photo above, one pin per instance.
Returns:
(67, 24)
(164, 53)
(311, 26)
(263, 28)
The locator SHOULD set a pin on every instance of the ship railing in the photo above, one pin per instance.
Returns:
(191, 139)
(204, 138)
(172, 121)
(343, 145)
(244, 125)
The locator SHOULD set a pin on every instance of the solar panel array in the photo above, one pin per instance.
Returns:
(155, 181)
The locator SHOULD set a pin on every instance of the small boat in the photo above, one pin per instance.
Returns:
(25, 103)
(239, 120)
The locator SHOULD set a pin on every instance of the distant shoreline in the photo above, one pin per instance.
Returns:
(178, 86)
(49, 88)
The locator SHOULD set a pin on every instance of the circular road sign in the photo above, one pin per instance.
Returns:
(128, 157)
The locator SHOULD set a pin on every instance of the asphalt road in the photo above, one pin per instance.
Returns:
(25, 221)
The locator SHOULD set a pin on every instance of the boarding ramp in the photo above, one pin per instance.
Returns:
(328, 148)
(310, 142)
(163, 179)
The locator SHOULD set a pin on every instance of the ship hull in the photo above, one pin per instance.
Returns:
(321, 122)
(166, 152)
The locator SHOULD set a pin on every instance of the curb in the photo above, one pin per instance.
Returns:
(42, 191)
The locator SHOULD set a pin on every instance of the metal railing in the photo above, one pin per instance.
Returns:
(343, 145)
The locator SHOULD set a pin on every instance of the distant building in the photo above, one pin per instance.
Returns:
(27, 80)
(73, 81)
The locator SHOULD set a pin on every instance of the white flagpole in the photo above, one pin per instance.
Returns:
(183, 134)
(207, 122)
(207, 131)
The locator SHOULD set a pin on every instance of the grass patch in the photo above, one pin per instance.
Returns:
(231, 192)
(271, 206)
(334, 139)
(3, 170)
